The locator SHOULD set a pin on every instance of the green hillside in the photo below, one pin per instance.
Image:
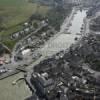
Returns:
(14, 12)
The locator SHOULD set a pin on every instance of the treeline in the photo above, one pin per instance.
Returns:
(1, 26)
(55, 15)
(43, 2)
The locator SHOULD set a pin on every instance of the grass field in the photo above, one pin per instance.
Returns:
(15, 12)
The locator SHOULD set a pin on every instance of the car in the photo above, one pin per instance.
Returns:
(36, 56)
(3, 70)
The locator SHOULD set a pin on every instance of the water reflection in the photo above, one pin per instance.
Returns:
(77, 22)
(63, 41)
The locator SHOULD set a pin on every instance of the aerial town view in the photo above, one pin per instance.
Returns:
(49, 49)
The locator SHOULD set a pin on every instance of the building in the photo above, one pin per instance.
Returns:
(42, 84)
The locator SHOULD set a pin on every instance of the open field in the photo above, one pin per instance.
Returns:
(14, 92)
(15, 12)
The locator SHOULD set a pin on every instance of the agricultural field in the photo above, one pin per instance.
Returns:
(13, 13)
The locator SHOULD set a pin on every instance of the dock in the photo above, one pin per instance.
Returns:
(7, 74)
(13, 72)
